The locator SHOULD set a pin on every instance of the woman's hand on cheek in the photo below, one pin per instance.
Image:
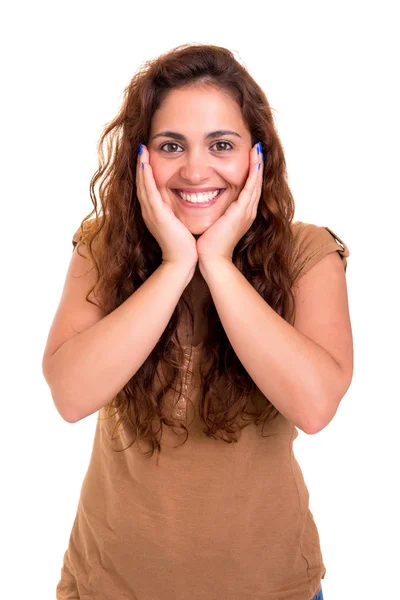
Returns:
(220, 239)
(174, 238)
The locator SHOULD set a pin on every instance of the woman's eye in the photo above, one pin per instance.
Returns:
(223, 143)
(169, 144)
(172, 151)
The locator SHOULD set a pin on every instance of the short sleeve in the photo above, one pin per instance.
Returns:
(312, 243)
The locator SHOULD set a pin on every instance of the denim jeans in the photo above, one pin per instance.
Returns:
(319, 595)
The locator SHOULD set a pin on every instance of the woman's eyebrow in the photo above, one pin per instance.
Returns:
(182, 138)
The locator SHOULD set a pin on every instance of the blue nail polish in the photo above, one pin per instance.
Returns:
(259, 164)
(140, 149)
(258, 148)
(142, 166)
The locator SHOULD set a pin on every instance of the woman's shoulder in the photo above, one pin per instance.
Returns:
(85, 227)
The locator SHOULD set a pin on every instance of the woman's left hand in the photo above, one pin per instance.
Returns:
(220, 239)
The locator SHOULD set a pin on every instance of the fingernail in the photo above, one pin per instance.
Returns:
(140, 148)
(142, 165)
(258, 148)
(260, 145)
(259, 166)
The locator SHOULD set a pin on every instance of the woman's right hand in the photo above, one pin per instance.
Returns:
(177, 243)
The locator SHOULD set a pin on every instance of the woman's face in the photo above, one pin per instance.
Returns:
(190, 148)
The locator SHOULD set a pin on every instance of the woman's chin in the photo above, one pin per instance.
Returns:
(199, 229)
(196, 231)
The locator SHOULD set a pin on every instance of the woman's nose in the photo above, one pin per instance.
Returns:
(195, 167)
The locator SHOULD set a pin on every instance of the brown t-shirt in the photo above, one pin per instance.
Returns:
(212, 520)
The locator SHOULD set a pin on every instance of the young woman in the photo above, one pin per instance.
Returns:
(205, 326)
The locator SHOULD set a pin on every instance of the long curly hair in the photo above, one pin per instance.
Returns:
(125, 254)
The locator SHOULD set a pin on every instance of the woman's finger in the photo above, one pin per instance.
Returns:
(258, 186)
(156, 205)
(151, 197)
(247, 194)
(140, 183)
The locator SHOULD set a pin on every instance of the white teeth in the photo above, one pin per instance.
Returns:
(198, 198)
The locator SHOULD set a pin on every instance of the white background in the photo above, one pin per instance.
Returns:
(330, 73)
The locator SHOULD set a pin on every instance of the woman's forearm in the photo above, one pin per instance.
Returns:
(298, 376)
(90, 368)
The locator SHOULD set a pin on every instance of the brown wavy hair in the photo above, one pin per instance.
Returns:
(125, 253)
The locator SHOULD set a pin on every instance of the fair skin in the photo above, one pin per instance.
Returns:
(222, 161)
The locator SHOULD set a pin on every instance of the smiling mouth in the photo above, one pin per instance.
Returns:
(203, 198)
